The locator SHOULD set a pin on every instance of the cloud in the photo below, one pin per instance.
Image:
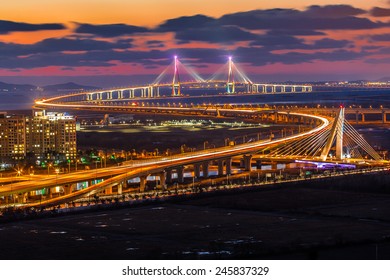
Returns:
(188, 22)
(61, 45)
(215, 34)
(258, 37)
(328, 43)
(109, 30)
(333, 11)
(275, 41)
(155, 44)
(11, 26)
(380, 12)
(380, 37)
(334, 17)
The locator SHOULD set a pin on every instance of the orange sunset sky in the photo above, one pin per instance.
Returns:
(271, 40)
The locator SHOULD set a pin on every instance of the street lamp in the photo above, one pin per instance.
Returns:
(57, 171)
(48, 166)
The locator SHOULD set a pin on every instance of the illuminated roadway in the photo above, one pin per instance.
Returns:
(114, 175)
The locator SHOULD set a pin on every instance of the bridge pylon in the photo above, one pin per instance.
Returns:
(176, 80)
(337, 133)
(230, 85)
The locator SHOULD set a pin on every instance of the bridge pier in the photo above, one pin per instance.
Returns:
(120, 187)
(142, 183)
(247, 162)
(180, 174)
(197, 170)
(220, 167)
(168, 176)
(228, 163)
(108, 191)
(161, 186)
(205, 169)
(157, 91)
(384, 117)
(68, 189)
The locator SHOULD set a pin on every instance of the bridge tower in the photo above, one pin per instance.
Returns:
(337, 132)
(176, 80)
(230, 79)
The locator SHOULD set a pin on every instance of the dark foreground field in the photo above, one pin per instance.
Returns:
(342, 219)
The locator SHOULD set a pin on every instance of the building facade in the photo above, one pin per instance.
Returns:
(12, 137)
(43, 135)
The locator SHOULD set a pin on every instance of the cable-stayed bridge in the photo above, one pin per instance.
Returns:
(324, 140)
(229, 79)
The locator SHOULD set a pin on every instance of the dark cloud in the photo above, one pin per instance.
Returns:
(60, 45)
(380, 12)
(188, 22)
(276, 42)
(380, 37)
(328, 43)
(155, 44)
(295, 32)
(333, 11)
(220, 34)
(109, 30)
(196, 56)
(273, 42)
(338, 17)
(10, 26)
(378, 60)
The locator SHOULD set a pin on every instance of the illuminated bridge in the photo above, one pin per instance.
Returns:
(323, 140)
(319, 139)
(236, 82)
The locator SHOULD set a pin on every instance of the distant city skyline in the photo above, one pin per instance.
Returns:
(44, 43)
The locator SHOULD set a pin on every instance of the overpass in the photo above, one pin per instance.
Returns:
(322, 132)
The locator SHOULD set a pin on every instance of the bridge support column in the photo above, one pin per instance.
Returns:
(180, 174)
(197, 170)
(68, 189)
(228, 166)
(131, 93)
(49, 192)
(158, 92)
(247, 162)
(161, 186)
(220, 167)
(363, 118)
(142, 183)
(205, 168)
(108, 190)
(384, 117)
(120, 187)
(168, 176)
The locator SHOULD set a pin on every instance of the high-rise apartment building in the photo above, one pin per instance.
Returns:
(43, 135)
(12, 136)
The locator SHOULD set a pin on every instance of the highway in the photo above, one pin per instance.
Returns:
(134, 169)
